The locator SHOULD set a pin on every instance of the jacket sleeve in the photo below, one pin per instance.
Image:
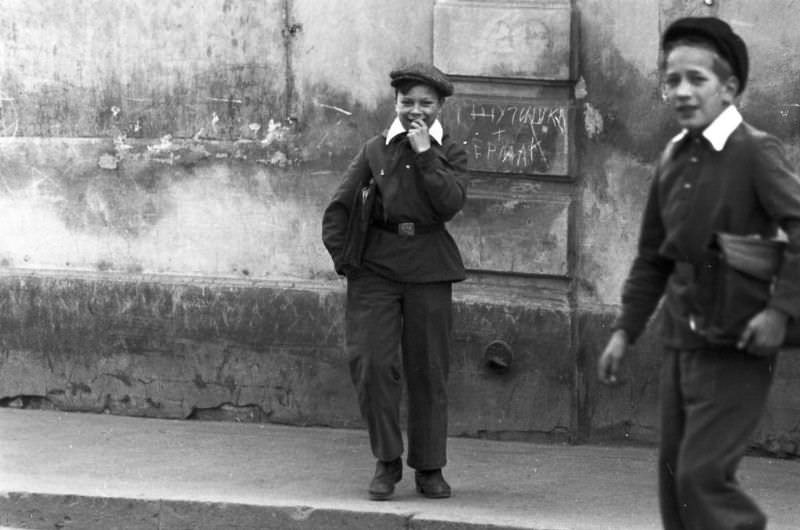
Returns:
(337, 213)
(778, 189)
(444, 176)
(649, 272)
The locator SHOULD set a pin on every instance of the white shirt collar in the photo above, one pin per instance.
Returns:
(435, 131)
(719, 130)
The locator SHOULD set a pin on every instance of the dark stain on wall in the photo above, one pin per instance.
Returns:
(635, 119)
(776, 112)
(333, 126)
(126, 201)
(179, 349)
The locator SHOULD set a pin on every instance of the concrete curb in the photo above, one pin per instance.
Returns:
(46, 511)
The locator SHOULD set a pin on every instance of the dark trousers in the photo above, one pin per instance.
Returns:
(385, 318)
(711, 404)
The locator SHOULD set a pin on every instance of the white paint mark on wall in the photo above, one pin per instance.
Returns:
(165, 144)
(226, 100)
(275, 132)
(8, 116)
(580, 89)
(107, 161)
(301, 513)
(593, 120)
(334, 107)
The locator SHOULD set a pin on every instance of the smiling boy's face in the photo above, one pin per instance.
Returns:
(694, 88)
(419, 102)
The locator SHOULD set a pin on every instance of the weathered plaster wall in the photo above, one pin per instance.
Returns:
(104, 68)
(160, 249)
(345, 51)
(175, 207)
(175, 348)
(162, 178)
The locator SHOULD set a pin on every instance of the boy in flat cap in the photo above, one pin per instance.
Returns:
(719, 174)
(399, 298)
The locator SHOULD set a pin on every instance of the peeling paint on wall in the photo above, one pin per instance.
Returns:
(170, 207)
(593, 120)
(580, 89)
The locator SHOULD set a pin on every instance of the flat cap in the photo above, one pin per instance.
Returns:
(424, 73)
(728, 44)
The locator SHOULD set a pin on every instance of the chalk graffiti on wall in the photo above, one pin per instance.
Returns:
(511, 136)
(9, 121)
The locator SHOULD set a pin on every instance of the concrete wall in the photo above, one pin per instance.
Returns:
(163, 168)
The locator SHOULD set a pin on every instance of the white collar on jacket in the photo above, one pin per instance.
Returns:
(435, 131)
(719, 130)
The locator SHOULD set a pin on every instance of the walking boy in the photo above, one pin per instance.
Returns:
(718, 174)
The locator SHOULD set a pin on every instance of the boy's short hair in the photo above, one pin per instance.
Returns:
(405, 78)
(716, 34)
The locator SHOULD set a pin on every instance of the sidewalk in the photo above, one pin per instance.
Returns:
(87, 472)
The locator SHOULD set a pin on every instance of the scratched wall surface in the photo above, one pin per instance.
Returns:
(352, 46)
(341, 59)
(526, 43)
(512, 231)
(142, 69)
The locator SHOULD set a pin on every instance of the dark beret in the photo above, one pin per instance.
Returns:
(424, 73)
(729, 45)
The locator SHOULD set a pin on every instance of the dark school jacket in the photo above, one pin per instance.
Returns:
(747, 188)
(425, 188)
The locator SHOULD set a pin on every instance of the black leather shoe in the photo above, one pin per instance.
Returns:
(387, 474)
(432, 484)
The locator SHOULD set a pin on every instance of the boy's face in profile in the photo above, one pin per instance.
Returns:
(421, 102)
(694, 89)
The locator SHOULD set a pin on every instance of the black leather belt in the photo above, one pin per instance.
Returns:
(408, 229)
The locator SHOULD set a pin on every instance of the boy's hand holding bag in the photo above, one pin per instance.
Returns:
(748, 266)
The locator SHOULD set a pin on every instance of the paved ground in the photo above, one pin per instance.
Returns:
(87, 471)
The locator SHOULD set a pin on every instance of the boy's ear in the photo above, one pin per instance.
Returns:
(731, 88)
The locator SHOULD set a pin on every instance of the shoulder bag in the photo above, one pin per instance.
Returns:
(358, 221)
(748, 266)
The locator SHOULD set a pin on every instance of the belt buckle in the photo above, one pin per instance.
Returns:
(696, 325)
(405, 229)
